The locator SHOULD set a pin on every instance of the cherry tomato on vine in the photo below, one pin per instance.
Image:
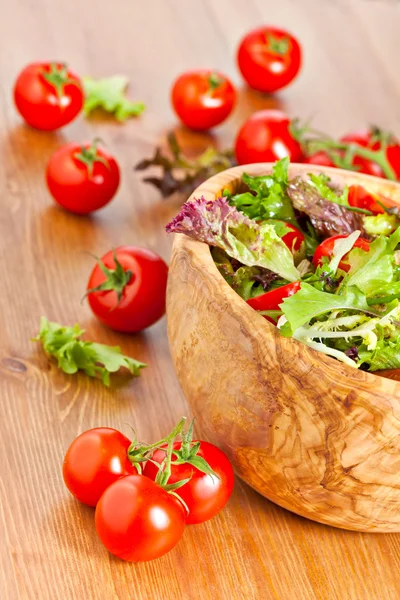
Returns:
(269, 58)
(365, 139)
(294, 238)
(82, 178)
(127, 288)
(327, 246)
(203, 99)
(48, 95)
(94, 460)
(272, 299)
(266, 137)
(137, 520)
(205, 495)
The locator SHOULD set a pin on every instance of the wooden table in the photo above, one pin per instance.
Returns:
(253, 549)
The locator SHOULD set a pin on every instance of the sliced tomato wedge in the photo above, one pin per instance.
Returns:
(293, 239)
(359, 197)
(326, 249)
(271, 300)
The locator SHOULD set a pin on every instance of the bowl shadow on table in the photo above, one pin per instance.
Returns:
(282, 519)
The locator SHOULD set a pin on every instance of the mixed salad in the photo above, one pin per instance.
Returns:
(321, 263)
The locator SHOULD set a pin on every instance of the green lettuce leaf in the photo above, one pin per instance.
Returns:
(109, 94)
(74, 354)
(267, 198)
(369, 270)
(219, 224)
(308, 303)
(321, 182)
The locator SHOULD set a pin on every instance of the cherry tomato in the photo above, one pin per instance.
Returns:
(269, 58)
(293, 239)
(94, 460)
(137, 520)
(271, 300)
(266, 137)
(320, 158)
(326, 249)
(203, 99)
(48, 95)
(82, 178)
(130, 296)
(393, 157)
(365, 140)
(204, 495)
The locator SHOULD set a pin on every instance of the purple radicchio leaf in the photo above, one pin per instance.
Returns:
(219, 224)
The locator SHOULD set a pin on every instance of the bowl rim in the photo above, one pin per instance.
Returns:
(212, 188)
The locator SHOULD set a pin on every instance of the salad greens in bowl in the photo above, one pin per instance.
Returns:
(321, 262)
(283, 306)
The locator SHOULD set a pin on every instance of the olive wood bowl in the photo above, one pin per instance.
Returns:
(307, 432)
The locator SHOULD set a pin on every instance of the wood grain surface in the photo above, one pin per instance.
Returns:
(306, 431)
(254, 550)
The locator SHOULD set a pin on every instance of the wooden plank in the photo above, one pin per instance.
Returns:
(253, 550)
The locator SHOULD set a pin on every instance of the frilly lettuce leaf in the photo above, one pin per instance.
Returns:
(74, 354)
(218, 224)
(109, 94)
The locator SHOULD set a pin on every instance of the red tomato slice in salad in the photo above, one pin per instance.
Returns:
(361, 198)
(326, 249)
(271, 300)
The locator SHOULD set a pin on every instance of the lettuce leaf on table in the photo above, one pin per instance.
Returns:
(218, 224)
(109, 94)
(74, 354)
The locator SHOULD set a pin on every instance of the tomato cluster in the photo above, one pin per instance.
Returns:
(146, 495)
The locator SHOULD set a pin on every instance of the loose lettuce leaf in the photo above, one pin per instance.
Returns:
(109, 94)
(369, 270)
(180, 174)
(219, 224)
(308, 303)
(382, 224)
(74, 354)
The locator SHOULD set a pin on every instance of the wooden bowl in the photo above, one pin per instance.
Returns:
(306, 431)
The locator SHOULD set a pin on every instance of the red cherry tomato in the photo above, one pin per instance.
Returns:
(203, 99)
(271, 300)
(135, 298)
(94, 460)
(265, 137)
(320, 158)
(393, 157)
(48, 95)
(269, 58)
(137, 520)
(294, 238)
(326, 249)
(204, 495)
(365, 140)
(82, 178)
